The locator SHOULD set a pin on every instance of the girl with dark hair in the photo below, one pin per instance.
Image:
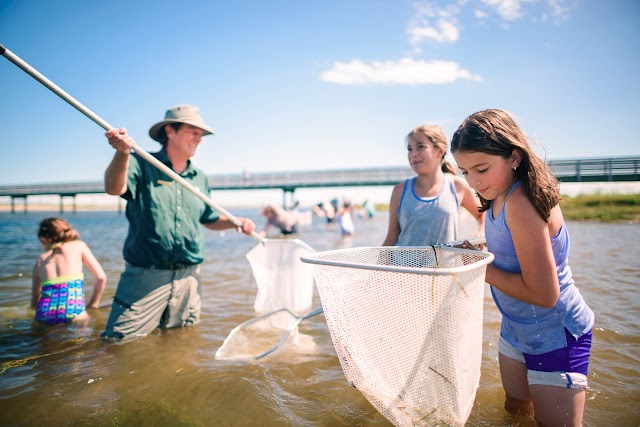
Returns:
(545, 336)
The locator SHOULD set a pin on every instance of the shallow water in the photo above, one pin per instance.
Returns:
(68, 376)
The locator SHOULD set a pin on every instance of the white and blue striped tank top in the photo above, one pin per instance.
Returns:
(426, 221)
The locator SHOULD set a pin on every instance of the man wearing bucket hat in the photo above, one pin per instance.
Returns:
(160, 286)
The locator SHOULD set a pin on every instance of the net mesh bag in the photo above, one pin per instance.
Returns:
(283, 280)
(253, 338)
(406, 323)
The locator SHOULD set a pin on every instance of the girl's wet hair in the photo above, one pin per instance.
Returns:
(436, 135)
(57, 230)
(496, 133)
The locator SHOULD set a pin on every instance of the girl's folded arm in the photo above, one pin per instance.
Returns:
(538, 281)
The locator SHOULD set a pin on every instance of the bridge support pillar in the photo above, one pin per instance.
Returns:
(288, 192)
(62, 196)
(13, 203)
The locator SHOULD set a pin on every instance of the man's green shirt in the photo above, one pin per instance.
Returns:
(165, 219)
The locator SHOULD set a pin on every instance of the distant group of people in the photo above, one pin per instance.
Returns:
(545, 337)
(339, 212)
(327, 209)
(286, 220)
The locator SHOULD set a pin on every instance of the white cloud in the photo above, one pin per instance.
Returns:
(405, 71)
(558, 10)
(509, 10)
(443, 31)
(538, 10)
(434, 23)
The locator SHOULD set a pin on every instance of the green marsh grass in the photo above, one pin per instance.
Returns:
(602, 207)
(593, 207)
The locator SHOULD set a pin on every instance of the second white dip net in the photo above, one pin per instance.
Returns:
(406, 323)
(285, 295)
(283, 280)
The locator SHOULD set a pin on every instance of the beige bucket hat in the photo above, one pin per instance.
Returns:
(181, 114)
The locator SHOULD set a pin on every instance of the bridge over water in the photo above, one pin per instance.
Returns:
(604, 169)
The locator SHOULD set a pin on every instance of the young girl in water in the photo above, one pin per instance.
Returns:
(345, 220)
(425, 210)
(545, 336)
(58, 281)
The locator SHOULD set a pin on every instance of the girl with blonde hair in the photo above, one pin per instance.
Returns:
(425, 210)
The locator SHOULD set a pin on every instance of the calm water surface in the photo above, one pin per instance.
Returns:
(68, 376)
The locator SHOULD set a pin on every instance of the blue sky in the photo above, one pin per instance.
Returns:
(297, 85)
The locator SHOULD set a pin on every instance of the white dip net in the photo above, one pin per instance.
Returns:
(285, 295)
(406, 323)
(283, 280)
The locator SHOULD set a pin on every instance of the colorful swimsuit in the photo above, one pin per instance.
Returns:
(61, 299)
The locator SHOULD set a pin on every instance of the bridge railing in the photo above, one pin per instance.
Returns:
(567, 170)
(70, 188)
(597, 169)
(302, 179)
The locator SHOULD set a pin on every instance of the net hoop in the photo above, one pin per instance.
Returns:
(328, 258)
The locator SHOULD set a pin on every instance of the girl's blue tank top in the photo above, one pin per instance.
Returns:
(530, 328)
